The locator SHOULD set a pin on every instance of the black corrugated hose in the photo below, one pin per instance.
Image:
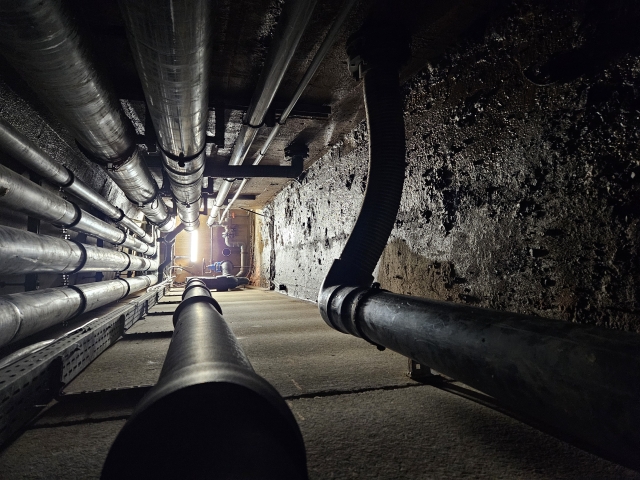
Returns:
(382, 49)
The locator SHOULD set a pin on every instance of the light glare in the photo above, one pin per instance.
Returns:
(194, 246)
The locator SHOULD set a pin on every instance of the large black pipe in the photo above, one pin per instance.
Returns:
(210, 415)
(583, 381)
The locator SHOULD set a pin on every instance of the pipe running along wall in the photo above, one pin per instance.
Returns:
(170, 41)
(292, 24)
(21, 148)
(324, 48)
(23, 314)
(22, 195)
(23, 252)
(583, 381)
(210, 414)
(41, 41)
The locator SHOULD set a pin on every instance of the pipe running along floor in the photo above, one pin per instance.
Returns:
(360, 415)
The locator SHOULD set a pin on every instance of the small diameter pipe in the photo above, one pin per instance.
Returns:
(23, 314)
(23, 252)
(20, 147)
(210, 414)
(324, 48)
(293, 22)
(20, 194)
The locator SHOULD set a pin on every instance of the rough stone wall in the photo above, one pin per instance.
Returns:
(521, 190)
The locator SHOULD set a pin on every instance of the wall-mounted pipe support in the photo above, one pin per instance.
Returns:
(210, 414)
(20, 147)
(42, 42)
(23, 314)
(22, 195)
(22, 252)
(292, 24)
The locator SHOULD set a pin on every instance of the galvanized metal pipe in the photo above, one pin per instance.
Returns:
(41, 41)
(20, 147)
(293, 22)
(324, 48)
(20, 194)
(23, 252)
(170, 41)
(23, 314)
(210, 414)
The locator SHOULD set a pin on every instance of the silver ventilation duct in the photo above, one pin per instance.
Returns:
(23, 314)
(24, 252)
(293, 22)
(43, 44)
(22, 195)
(33, 157)
(170, 43)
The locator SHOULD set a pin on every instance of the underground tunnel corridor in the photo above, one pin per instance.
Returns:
(319, 239)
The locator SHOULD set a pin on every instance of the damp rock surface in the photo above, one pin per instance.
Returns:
(521, 188)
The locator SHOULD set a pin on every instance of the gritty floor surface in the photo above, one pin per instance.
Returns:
(360, 416)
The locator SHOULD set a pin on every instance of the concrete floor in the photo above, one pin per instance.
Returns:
(361, 417)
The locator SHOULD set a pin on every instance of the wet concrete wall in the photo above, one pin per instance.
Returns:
(523, 164)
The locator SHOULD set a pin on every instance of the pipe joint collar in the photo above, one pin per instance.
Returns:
(337, 306)
(182, 159)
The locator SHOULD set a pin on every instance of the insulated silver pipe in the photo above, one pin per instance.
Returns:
(23, 252)
(170, 40)
(41, 41)
(22, 195)
(324, 48)
(293, 22)
(21, 148)
(23, 314)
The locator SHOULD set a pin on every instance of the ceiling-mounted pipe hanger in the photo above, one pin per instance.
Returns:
(293, 22)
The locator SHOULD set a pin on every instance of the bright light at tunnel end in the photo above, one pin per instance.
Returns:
(194, 246)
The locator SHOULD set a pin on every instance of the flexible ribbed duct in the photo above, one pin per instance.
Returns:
(170, 43)
(43, 44)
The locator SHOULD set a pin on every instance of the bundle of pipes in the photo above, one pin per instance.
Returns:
(24, 252)
(170, 42)
(584, 381)
(23, 314)
(43, 44)
(327, 43)
(210, 414)
(33, 157)
(293, 22)
(24, 196)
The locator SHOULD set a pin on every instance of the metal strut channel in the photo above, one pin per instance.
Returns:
(32, 382)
